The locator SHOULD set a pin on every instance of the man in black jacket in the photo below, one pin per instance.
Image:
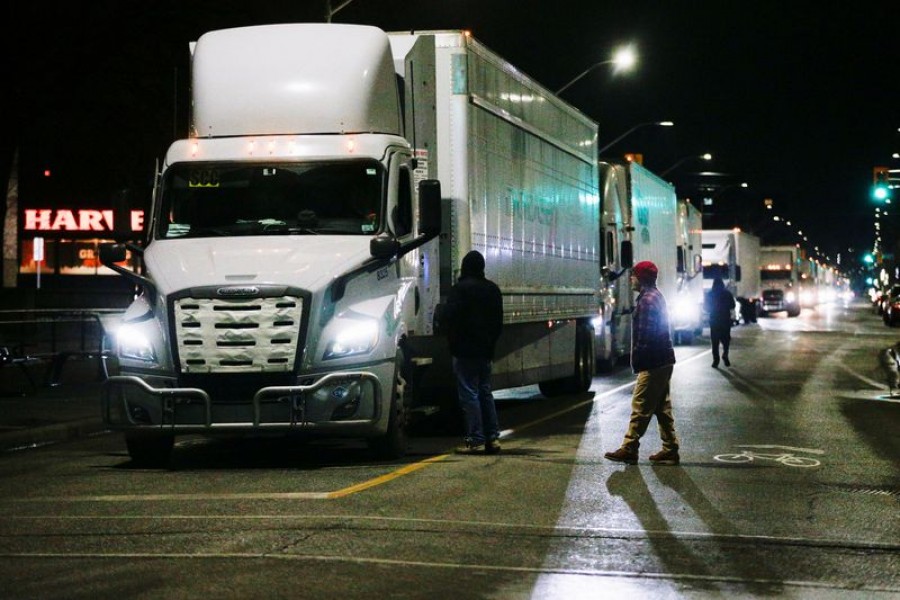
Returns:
(719, 305)
(473, 318)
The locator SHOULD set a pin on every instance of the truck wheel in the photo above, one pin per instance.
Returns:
(150, 451)
(392, 444)
(586, 360)
(793, 312)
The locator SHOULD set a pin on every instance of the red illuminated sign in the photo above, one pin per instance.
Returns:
(46, 219)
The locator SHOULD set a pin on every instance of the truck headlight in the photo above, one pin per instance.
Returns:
(134, 344)
(684, 309)
(789, 297)
(354, 336)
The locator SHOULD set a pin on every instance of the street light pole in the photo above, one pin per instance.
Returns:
(728, 187)
(330, 12)
(624, 59)
(632, 130)
(681, 161)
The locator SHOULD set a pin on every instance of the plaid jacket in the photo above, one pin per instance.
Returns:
(651, 342)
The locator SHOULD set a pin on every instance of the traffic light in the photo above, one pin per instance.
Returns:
(881, 187)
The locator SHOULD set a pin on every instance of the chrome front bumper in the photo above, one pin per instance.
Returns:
(129, 402)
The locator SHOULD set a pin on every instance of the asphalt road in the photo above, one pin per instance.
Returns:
(789, 487)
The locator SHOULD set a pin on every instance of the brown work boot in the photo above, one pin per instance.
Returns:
(665, 457)
(623, 455)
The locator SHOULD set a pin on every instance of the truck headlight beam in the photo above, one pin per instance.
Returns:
(134, 344)
(355, 337)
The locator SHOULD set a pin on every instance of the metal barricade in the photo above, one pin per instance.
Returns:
(50, 337)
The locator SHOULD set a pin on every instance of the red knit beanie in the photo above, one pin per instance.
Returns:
(645, 271)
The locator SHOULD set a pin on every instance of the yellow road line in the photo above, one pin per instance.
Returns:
(385, 478)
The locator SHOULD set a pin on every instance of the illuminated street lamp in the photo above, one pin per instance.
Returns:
(728, 187)
(632, 130)
(681, 161)
(624, 59)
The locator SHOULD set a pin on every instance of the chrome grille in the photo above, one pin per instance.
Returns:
(238, 335)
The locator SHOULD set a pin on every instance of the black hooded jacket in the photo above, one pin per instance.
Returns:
(473, 315)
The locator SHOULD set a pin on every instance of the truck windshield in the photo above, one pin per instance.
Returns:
(774, 274)
(216, 199)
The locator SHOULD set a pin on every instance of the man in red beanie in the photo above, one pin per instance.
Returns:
(653, 359)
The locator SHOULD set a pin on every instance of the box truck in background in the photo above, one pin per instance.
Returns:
(780, 273)
(639, 212)
(734, 256)
(300, 241)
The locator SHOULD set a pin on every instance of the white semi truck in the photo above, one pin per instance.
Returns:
(300, 239)
(734, 255)
(780, 273)
(638, 223)
(687, 307)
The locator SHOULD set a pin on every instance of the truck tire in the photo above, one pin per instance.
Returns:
(149, 450)
(392, 444)
(793, 312)
(586, 359)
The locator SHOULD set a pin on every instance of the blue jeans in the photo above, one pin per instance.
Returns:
(473, 385)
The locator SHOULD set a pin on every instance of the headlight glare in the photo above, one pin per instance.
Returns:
(354, 337)
(134, 344)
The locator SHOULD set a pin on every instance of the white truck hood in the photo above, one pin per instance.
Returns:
(307, 262)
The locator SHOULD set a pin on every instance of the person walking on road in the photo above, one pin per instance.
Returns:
(653, 360)
(719, 306)
(473, 317)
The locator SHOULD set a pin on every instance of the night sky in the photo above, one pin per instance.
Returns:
(798, 99)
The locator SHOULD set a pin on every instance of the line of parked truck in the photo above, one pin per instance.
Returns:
(303, 237)
(766, 279)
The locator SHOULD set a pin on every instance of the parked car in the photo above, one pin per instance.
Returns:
(883, 299)
(891, 314)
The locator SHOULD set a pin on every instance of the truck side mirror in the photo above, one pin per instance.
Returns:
(429, 207)
(112, 253)
(384, 246)
(627, 254)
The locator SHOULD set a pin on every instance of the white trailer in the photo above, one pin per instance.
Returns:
(734, 256)
(780, 273)
(300, 241)
(638, 223)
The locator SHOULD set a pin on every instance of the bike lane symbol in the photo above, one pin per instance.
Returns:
(786, 455)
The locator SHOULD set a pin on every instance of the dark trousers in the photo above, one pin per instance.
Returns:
(719, 333)
(473, 384)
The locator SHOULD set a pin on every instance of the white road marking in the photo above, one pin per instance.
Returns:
(455, 566)
(563, 531)
(789, 448)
